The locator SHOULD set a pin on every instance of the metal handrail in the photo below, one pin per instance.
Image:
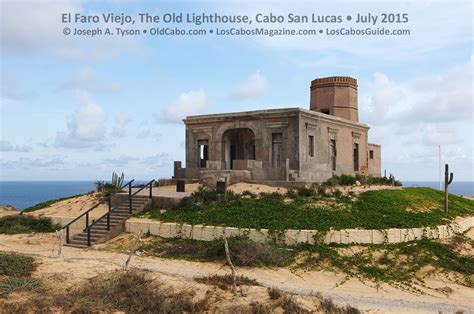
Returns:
(86, 213)
(112, 209)
(130, 195)
(143, 187)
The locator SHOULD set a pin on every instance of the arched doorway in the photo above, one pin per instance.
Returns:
(238, 144)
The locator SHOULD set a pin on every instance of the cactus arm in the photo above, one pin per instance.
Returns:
(450, 178)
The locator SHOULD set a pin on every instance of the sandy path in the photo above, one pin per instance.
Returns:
(81, 263)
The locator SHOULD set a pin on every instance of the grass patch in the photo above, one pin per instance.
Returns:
(47, 203)
(25, 224)
(308, 209)
(225, 282)
(244, 252)
(18, 284)
(16, 265)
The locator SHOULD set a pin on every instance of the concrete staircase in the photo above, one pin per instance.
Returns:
(98, 230)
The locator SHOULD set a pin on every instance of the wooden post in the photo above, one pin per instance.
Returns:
(133, 248)
(227, 254)
(59, 237)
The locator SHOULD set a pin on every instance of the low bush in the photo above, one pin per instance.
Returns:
(304, 191)
(130, 291)
(26, 224)
(244, 252)
(225, 282)
(274, 293)
(16, 265)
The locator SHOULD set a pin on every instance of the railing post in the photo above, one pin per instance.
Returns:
(130, 197)
(88, 236)
(67, 234)
(87, 219)
(108, 221)
(151, 183)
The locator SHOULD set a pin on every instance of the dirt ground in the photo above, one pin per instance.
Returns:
(78, 264)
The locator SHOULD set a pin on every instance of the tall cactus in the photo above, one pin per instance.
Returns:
(448, 178)
(116, 180)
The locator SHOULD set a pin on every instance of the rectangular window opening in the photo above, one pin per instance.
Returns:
(333, 153)
(277, 148)
(311, 145)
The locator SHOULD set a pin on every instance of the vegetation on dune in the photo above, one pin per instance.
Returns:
(400, 265)
(244, 252)
(15, 274)
(224, 282)
(397, 264)
(25, 224)
(16, 265)
(47, 203)
(314, 208)
(347, 180)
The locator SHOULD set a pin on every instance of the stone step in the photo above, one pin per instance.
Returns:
(83, 237)
(76, 245)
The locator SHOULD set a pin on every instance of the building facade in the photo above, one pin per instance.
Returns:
(290, 144)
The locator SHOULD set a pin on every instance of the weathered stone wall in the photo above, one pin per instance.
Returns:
(375, 166)
(291, 237)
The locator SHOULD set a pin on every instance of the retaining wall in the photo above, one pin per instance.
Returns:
(291, 237)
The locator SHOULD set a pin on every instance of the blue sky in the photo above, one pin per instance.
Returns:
(80, 108)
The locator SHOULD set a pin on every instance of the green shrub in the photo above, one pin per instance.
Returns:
(12, 264)
(333, 181)
(291, 193)
(244, 252)
(249, 194)
(304, 191)
(345, 179)
(26, 224)
(337, 193)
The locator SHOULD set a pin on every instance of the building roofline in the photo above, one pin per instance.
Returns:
(216, 117)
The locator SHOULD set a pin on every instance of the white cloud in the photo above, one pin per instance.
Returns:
(87, 126)
(35, 28)
(87, 79)
(255, 86)
(121, 121)
(188, 104)
(6, 146)
(434, 135)
(445, 97)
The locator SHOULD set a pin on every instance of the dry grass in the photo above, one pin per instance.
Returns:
(225, 282)
(17, 265)
(130, 291)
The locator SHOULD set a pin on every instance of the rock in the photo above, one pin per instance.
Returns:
(358, 183)
(33, 241)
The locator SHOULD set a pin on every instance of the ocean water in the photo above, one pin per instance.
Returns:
(23, 194)
(465, 188)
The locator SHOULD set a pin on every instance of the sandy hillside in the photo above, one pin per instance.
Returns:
(7, 210)
(73, 207)
(77, 264)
